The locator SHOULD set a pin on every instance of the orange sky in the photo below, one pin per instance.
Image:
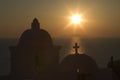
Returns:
(102, 17)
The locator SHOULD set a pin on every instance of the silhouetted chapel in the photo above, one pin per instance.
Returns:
(78, 66)
(35, 55)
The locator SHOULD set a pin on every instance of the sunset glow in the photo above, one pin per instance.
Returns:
(76, 19)
(76, 22)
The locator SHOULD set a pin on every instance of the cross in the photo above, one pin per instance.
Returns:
(76, 48)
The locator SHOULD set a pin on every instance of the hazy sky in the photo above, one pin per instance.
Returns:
(102, 17)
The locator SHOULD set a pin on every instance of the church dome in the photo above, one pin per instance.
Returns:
(35, 36)
(79, 62)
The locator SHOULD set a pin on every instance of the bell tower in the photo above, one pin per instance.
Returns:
(35, 26)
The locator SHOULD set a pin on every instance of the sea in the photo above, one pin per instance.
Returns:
(99, 49)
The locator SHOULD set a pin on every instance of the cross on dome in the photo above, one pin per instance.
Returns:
(76, 48)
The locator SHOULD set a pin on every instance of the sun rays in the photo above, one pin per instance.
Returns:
(75, 22)
(76, 19)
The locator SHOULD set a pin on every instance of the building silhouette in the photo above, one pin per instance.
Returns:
(115, 66)
(35, 55)
(78, 66)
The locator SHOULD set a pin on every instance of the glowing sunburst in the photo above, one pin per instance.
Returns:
(76, 19)
(76, 22)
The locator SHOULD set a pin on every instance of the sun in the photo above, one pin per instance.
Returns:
(76, 19)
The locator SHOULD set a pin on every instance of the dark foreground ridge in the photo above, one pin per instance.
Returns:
(35, 57)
